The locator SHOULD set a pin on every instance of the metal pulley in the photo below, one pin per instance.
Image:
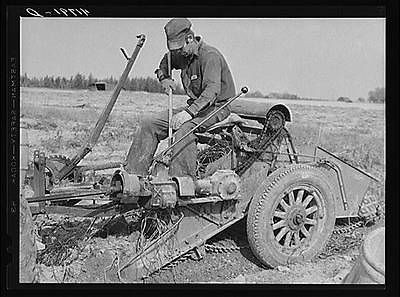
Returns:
(125, 187)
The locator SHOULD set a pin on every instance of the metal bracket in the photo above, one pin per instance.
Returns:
(199, 251)
(206, 217)
(39, 162)
(340, 180)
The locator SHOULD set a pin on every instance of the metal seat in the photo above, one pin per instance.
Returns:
(234, 119)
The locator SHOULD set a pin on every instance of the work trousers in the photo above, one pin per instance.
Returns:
(154, 128)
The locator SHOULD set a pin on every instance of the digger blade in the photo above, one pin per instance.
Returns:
(154, 256)
(188, 234)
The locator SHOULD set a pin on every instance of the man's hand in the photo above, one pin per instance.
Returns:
(180, 118)
(167, 84)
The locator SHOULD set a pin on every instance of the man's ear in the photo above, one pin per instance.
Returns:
(189, 38)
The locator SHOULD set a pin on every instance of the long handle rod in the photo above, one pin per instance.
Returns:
(104, 115)
(107, 110)
(63, 196)
(170, 102)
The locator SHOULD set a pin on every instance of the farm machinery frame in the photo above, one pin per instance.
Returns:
(248, 167)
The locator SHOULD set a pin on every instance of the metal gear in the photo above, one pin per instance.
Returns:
(54, 163)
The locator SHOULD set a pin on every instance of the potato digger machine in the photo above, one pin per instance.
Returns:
(247, 168)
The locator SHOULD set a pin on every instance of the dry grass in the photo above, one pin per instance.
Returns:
(353, 133)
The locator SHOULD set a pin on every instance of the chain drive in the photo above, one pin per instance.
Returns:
(208, 248)
(348, 237)
(263, 143)
(213, 248)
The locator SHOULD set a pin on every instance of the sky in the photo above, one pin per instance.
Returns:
(315, 58)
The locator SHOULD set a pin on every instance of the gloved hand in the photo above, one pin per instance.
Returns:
(180, 118)
(167, 84)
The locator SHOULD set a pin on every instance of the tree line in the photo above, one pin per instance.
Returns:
(80, 81)
(374, 96)
(277, 95)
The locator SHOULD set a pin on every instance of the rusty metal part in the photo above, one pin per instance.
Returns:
(164, 194)
(127, 188)
(126, 183)
(103, 117)
(224, 183)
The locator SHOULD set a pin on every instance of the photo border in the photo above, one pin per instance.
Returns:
(11, 93)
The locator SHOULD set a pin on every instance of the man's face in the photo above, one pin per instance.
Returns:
(180, 58)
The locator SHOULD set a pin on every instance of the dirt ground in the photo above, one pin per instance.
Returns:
(59, 122)
(97, 260)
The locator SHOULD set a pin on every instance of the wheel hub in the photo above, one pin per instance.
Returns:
(296, 219)
(296, 216)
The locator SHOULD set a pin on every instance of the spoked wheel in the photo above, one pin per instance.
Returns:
(295, 216)
(291, 216)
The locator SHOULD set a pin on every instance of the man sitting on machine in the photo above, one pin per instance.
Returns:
(208, 82)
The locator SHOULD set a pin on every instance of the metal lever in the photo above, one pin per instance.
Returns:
(244, 90)
(104, 115)
(124, 53)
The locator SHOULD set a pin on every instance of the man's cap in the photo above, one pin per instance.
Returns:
(176, 30)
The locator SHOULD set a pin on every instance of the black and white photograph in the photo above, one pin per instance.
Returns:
(201, 150)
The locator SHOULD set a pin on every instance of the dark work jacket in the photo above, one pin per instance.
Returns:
(207, 79)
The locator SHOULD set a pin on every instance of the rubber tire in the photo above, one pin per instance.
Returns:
(260, 233)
